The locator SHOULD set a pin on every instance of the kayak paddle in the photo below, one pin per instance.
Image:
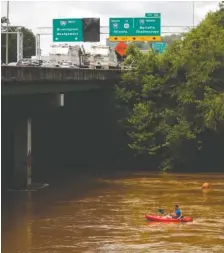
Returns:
(162, 211)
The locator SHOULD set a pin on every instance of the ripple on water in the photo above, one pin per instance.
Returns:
(110, 217)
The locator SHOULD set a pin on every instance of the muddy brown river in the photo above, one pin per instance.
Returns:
(105, 213)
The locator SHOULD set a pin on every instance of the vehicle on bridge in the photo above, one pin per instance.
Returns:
(10, 64)
(67, 64)
(67, 56)
(25, 62)
(64, 53)
(50, 65)
(102, 57)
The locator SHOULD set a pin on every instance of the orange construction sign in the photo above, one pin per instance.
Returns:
(121, 48)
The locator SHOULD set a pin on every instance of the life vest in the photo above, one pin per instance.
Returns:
(179, 211)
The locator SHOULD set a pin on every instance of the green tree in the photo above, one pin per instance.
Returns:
(170, 38)
(4, 20)
(171, 99)
(29, 43)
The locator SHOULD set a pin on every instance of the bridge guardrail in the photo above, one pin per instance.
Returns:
(34, 74)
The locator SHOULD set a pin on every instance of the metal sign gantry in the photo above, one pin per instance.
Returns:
(48, 31)
(15, 30)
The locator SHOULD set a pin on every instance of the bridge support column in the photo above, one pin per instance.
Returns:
(57, 100)
(22, 159)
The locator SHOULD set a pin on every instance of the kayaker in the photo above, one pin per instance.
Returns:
(177, 212)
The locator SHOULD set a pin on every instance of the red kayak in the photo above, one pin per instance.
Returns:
(167, 219)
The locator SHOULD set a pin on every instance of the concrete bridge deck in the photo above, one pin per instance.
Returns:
(33, 80)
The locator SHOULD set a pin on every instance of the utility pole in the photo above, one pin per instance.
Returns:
(193, 14)
(7, 37)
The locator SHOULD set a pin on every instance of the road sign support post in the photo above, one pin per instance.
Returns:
(38, 50)
(19, 45)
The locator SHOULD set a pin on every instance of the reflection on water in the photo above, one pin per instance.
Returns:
(105, 214)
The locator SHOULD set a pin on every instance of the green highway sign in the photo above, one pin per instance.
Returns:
(121, 26)
(68, 30)
(147, 26)
(159, 47)
(153, 15)
(135, 29)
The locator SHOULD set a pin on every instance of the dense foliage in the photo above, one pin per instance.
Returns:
(29, 44)
(170, 100)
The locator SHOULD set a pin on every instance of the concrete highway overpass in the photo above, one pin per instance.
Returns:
(34, 80)
(27, 91)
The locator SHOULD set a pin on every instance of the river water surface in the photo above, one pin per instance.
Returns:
(106, 214)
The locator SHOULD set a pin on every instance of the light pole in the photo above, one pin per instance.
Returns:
(7, 37)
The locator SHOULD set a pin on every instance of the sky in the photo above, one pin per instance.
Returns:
(34, 14)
